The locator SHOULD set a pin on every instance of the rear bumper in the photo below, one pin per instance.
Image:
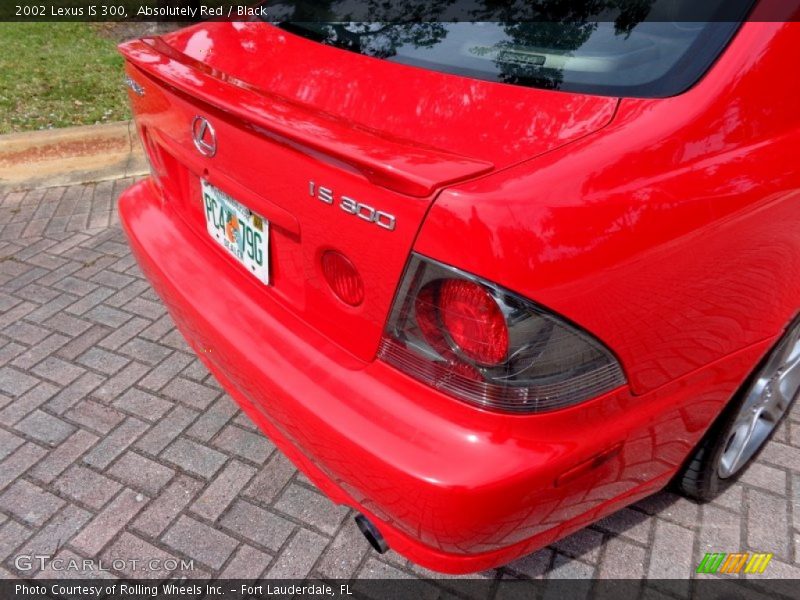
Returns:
(451, 487)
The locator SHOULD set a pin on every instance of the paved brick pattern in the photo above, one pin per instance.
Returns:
(115, 442)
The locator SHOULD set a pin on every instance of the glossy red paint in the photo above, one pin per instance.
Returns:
(679, 223)
(666, 228)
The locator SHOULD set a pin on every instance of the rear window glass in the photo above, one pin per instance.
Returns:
(620, 55)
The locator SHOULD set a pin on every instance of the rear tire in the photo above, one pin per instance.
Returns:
(747, 424)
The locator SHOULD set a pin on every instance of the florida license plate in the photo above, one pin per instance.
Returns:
(243, 233)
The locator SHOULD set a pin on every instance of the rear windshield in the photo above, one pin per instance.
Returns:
(647, 56)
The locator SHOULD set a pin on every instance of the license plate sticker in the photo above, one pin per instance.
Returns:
(243, 233)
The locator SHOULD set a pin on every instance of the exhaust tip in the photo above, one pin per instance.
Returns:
(372, 534)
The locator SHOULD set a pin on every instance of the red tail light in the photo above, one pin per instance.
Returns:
(472, 318)
(490, 347)
(343, 278)
(462, 316)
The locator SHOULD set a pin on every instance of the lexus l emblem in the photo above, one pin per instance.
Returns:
(204, 136)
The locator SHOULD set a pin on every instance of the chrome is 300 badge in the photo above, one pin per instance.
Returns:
(354, 207)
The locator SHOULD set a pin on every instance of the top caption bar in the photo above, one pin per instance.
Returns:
(400, 11)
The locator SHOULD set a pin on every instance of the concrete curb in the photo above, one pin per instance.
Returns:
(71, 155)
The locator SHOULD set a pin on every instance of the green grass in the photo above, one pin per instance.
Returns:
(57, 75)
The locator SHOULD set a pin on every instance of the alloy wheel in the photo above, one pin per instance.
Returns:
(775, 388)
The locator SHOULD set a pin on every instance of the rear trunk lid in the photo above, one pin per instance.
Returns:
(287, 111)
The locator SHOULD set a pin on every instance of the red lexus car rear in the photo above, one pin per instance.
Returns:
(485, 302)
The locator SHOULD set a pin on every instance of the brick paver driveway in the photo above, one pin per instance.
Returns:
(117, 444)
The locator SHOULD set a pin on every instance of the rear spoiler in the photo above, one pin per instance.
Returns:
(398, 164)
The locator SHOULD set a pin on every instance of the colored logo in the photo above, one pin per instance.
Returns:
(234, 233)
(733, 564)
(232, 229)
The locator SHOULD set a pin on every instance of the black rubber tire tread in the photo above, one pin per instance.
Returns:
(698, 480)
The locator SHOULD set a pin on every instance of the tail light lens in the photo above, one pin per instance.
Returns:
(466, 314)
(490, 347)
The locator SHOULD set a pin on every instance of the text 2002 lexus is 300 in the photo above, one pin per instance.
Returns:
(483, 282)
